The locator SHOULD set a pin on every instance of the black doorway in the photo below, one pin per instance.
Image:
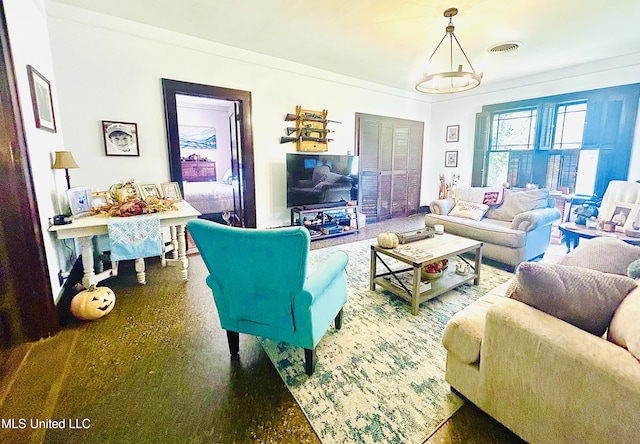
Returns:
(242, 148)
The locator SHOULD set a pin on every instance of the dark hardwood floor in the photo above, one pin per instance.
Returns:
(157, 370)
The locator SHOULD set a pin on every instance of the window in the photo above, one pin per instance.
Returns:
(513, 130)
(575, 142)
(569, 126)
(512, 139)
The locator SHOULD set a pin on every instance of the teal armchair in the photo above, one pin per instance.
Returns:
(260, 284)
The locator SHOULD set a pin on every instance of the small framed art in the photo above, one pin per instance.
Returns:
(120, 138)
(41, 100)
(453, 133)
(148, 190)
(622, 215)
(100, 199)
(171, 190)
(450, 158)
(79, 200)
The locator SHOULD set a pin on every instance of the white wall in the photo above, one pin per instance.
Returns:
(29, 39)
(111, 69)
(462, 108)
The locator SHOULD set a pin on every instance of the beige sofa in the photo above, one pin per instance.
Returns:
(517, 230)
(543, 378)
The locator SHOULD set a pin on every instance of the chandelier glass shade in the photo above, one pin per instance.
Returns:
(451, 81)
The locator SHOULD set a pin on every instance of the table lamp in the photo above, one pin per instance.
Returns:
(64, 161)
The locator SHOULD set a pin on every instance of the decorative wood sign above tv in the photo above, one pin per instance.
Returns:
(310, 131)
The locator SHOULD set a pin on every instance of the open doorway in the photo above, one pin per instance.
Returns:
(211, 149)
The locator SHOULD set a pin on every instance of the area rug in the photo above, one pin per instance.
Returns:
(380, 379)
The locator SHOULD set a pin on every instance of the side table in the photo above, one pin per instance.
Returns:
(572, 233)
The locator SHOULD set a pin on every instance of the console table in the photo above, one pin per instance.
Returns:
(84, 228)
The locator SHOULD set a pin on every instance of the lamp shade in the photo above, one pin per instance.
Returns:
(64, 159)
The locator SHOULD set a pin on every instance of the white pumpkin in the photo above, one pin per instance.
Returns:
(93, 303)
(387, 240)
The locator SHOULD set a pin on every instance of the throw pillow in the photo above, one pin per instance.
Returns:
(485, 195)
(582, 297)
(625, 328)
(606, 254)
(519, 201)
(469, 210)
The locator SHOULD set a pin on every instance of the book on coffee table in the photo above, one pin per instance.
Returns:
(407, 280)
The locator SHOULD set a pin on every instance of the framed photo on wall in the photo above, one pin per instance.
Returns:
(453, 133)
(41, 100)
(450, 158)
(171, 190)
(120, 138)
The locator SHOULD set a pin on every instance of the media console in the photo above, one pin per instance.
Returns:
(329, 221)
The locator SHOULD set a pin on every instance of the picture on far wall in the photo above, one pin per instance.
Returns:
(197, 137)
(453, 133)
(120, 138)
(41, 100)
(451, 159)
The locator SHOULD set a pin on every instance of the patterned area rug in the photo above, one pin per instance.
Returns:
(380, 379)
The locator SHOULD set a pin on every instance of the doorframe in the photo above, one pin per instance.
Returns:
(243, 98)
(24, 279)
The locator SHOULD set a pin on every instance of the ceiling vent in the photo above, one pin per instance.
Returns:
(501, 48)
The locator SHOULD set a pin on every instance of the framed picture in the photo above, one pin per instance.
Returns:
(41, 100)
(450, 158)
(120, 138)
(622, 215)
(79, 200)
(100, 199)
(171, 190)
(148, 190)
(453, 133)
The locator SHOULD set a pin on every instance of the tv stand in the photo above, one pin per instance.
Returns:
(327, 221)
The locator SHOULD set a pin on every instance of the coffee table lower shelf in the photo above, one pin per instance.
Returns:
(448, 281)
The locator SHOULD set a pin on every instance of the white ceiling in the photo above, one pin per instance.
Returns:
(388, 41)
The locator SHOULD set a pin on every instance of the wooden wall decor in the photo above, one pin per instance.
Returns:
(310, 132)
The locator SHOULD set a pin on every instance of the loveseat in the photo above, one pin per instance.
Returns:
(514, 225)
(538, 362)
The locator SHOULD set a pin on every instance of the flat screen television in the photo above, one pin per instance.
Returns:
(317, 180)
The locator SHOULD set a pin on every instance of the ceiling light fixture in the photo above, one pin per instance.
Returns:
(451, 81)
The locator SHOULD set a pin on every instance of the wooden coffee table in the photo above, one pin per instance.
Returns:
(406, 282)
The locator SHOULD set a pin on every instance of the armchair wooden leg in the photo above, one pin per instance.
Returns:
(338, 320)
(234, 342)
(309, 362)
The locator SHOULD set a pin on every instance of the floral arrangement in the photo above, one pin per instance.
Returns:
(135, 206)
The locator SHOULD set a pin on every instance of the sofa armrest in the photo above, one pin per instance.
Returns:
(530, 220)
(537, 366)
(442, 206)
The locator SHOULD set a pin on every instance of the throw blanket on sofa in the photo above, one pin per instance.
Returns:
(134, 237)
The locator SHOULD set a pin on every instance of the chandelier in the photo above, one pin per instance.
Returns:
(449, 81)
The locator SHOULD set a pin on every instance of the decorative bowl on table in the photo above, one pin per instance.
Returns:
(434, 270)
